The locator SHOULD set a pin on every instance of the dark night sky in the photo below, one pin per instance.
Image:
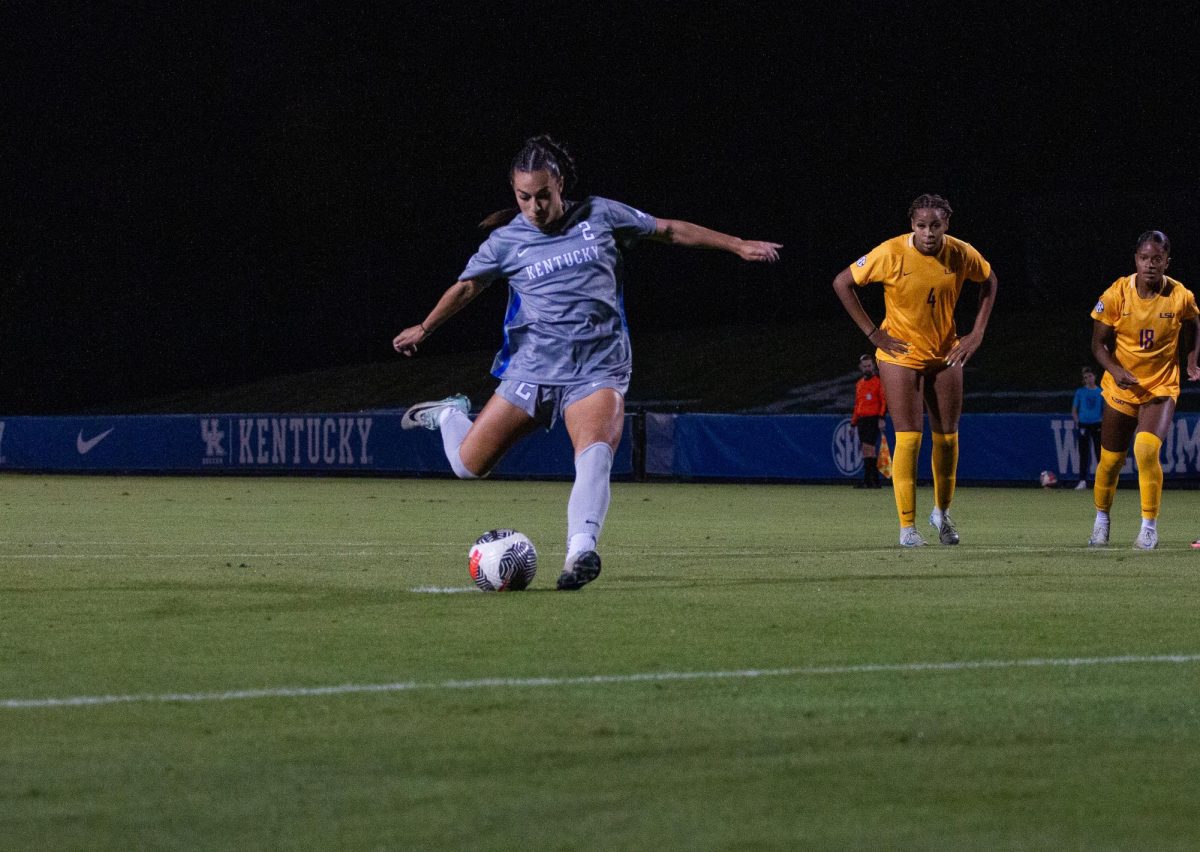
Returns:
(197, 198)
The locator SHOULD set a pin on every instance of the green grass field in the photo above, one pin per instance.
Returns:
(755, 668)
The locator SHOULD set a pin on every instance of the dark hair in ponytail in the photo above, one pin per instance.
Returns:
(538, 152)
(543, 152)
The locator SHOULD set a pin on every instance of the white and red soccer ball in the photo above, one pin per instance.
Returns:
(502, 560)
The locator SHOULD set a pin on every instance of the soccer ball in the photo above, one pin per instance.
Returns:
(1047, 479)
(503, 560)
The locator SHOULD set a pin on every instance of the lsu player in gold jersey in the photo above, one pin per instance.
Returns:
(1136, 334)
(920, 355)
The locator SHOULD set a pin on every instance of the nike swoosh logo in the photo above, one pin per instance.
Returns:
(87, 446)
(521, 252)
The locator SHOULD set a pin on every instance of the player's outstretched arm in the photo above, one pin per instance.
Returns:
(680, 233)
(456, 297)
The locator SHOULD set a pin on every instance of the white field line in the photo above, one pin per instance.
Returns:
(697, 550)
(588, 680)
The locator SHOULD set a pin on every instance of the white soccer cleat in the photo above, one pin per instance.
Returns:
(1082, 486)
(1147, 539)
(1099, 536)
(425, 415)
(909, 537)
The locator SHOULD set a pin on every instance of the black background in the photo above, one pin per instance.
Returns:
(205, 196)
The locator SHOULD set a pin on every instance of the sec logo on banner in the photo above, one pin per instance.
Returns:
(846, 449)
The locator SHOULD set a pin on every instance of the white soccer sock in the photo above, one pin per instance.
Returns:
(590, 497)
(1102, 516)
(454, 426)
(1150, 524)
(579, 543)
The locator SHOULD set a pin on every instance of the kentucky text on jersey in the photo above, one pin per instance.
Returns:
(554, 264)
(565, 322)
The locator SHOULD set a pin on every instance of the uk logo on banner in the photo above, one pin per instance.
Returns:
(213, 437)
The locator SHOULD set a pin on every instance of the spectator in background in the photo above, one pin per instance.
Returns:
(1086, 411)
(870, 406)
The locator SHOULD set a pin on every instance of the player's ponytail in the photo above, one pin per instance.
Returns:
(500, 217)
(538, 152)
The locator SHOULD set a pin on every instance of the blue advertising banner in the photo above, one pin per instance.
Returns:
(993, 447)
(246, 443)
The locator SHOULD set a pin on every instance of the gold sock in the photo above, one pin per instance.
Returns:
(1146, 448)
(904, 476)
(1108, 469)
(945, 468)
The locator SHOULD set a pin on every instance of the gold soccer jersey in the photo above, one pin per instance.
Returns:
(919, 294)
(1147, 337)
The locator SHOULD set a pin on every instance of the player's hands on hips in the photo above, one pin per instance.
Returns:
(406, 341)
(759, 251)
(963, 349)
(893, 346)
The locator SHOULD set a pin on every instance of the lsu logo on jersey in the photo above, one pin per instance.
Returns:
(861, 262)
(1167, 315)
(1099, 309)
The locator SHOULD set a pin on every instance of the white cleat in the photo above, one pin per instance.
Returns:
(425, 415)
(1082, 486)
(1147, 539)
(1099, 536)
(909, 537)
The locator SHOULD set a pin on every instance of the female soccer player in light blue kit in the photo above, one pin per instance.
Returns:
(566, 346)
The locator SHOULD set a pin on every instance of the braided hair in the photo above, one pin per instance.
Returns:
(929, 202)
(538, 153)
(543, 152)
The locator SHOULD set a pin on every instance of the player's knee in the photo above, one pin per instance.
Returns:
(1146, 449)
(462, 471)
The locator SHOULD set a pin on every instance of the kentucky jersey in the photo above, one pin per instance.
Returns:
(1147, 336)
(565, 322)
(919, 294)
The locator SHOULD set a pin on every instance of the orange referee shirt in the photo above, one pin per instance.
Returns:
(869, 400)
